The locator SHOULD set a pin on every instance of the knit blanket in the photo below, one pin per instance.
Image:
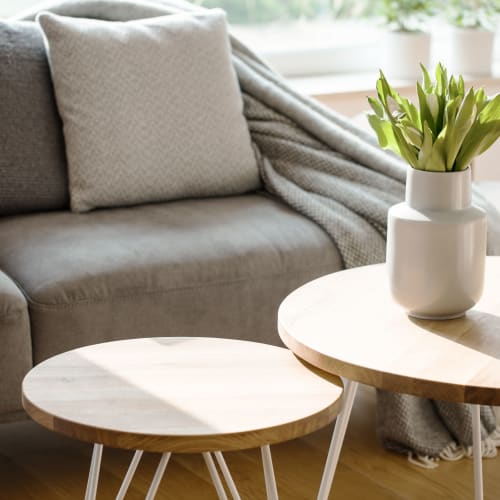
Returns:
(328, 169)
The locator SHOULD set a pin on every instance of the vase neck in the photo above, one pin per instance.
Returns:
(438, 190)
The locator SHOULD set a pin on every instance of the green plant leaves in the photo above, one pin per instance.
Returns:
(483, 133)
(445, 131)
(405, 15)
(425, 111)
(425, 151)
(384, 132)
(426, 78)
(460, 118)
(378, 109)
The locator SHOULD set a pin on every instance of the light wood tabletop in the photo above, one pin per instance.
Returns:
(347, 323)
(181, 394)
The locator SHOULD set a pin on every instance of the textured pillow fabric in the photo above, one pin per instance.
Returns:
(151, 109)
(32, 160)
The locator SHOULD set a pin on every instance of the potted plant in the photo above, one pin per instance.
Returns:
(436, 241)
(470, 35)
(406, 45)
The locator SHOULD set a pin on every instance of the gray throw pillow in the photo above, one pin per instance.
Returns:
(151, 109)
(32, 160)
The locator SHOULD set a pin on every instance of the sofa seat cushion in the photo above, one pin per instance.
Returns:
(215, 267)
(15, 347)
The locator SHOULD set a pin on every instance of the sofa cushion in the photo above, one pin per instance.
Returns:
(15, 346)
(32, 159)
(216, 267)
(151, 108)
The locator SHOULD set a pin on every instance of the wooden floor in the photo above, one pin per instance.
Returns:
(36, 464)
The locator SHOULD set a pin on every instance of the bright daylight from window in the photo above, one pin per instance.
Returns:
(310, 37)
(307, 36)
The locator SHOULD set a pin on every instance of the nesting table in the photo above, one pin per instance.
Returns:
(185, 395)
(346, 323)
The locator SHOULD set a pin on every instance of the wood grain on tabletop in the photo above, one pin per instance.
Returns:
(181, 394)
(347, 323)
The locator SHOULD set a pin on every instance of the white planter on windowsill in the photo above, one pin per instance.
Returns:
(404, 51)
(470, 50)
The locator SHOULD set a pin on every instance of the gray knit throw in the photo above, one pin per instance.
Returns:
(326, 168)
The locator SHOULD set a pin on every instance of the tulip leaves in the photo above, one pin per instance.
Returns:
(447, 129)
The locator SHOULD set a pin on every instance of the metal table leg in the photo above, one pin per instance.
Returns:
(215, 476)
(477, 452)
(271, 489)
(160, 470)
(95, 466)
(227, 475)
(129, 475)
(337, 440)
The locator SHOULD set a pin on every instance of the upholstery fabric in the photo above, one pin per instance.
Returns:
(15, 342)
(216, 267)
(32, 158)
(173, 73)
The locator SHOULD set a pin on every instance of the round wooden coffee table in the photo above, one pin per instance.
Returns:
(185, 395)
(346, 323)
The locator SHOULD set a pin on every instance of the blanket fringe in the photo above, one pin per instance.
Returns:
(454, 452)
(495, 436)
(488, 449)
(423, 461)
(488, 446)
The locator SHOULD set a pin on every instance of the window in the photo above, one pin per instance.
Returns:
(303, 37)
(266, 11)
(294, 36)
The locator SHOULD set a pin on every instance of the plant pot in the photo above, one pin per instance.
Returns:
(403, 53)
(436, 245)
(470, 50)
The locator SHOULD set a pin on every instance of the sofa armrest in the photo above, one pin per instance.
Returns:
(15, 345)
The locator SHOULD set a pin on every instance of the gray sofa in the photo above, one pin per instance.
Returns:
(194, 267)
(209, 267)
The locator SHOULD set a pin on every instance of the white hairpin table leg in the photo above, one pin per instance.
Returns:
(95, 466)
(477, 452)
(271, 489)
(337, 440)
(129, 475)
(227, 475)
(160, 470)
(214, 475)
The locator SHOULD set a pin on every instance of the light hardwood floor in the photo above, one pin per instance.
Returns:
(37, 464)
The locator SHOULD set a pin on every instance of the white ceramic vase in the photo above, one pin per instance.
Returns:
(403, 53)
(436, 245)
(470, 51)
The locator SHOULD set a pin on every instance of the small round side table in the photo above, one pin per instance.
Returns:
(346, 323)
(184, 395)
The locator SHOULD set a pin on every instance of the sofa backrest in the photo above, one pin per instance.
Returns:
(33, 173)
